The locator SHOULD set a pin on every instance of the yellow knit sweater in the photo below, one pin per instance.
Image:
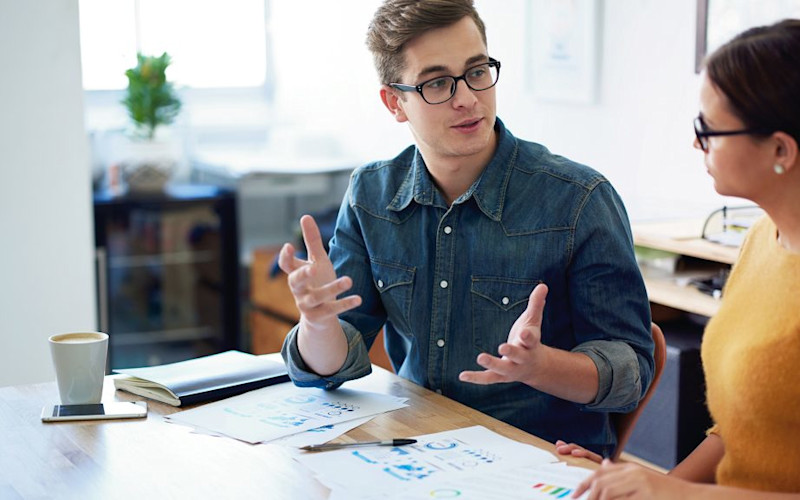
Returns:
(751, 358)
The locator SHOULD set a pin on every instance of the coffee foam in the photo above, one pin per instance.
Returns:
(77, 338)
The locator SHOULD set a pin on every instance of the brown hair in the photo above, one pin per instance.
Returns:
(759, 73)
(398, 21)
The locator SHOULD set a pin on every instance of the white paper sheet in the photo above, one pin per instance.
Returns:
(281, 410)
(320, 434)
(386, 470)
(555, 481)
(548, 482)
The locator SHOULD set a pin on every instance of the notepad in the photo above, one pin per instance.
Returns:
(202, 379)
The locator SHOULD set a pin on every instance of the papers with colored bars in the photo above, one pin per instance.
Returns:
(439, 458)
(555, 481)
(278, 411)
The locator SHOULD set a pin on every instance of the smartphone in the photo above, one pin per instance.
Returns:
(102, 411)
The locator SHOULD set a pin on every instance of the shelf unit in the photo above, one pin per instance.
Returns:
(167, 267)
(670, 288)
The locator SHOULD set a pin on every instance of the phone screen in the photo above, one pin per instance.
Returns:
(75, 410)
(94, 411)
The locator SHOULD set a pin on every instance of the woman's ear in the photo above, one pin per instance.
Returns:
(393, 103)
(786, 153)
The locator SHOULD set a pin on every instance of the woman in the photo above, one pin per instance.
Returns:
(749, 131)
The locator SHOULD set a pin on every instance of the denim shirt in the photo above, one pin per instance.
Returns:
(448, 282)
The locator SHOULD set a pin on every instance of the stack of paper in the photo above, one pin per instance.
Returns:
(278, 411)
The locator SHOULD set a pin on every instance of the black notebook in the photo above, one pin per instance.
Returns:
(202, 379)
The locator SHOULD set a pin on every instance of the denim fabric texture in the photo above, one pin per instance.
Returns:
(448, 283)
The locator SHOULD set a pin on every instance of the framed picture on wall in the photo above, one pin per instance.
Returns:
(563, 48)
(720, 20)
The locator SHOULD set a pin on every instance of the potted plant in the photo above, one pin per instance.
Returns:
(151, 101)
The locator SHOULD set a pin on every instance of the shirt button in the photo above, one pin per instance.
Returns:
(440, 342)
(505, 301)
(380, 283)
(448, 229)
(443, 283)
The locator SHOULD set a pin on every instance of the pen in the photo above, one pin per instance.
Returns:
(336, 446)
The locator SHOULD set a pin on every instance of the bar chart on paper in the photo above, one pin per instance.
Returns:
(544, 482)
(552, 490)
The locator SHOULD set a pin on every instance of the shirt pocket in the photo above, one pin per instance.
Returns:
(395, 284)
(496, 305)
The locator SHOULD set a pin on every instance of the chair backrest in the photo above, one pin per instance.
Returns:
(624, 422)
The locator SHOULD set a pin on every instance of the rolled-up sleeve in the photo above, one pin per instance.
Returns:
(611, 315)
(619, 380)
(356, 365)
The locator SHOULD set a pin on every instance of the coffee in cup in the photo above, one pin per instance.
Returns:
(79, 359)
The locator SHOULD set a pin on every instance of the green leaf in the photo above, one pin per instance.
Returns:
(150, 99)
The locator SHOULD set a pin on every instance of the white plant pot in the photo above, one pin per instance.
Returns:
(146, 164)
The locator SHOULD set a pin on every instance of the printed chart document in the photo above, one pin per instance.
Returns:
(444, 458)
(554, 481)
(278, 411)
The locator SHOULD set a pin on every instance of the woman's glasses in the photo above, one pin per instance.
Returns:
(702, 132)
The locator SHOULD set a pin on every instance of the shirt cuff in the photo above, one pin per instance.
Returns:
(356, 364)
(619, 381)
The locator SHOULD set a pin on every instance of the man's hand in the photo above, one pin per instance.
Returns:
(315, 288)
(523, 356)
(313, 282)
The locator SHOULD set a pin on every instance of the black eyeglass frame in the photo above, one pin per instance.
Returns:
(494, 63)
(702, 133)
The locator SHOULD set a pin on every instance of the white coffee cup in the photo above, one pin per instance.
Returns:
(80, 362)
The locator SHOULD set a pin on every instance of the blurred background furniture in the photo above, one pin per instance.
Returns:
(167, 266)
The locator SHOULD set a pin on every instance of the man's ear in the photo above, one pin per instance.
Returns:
(393, 103)
(786, 153)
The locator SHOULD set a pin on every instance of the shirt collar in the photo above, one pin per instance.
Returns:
(488, 190)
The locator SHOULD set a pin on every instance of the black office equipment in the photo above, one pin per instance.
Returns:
(167, 266)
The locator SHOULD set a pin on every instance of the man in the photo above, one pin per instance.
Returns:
(454, 244)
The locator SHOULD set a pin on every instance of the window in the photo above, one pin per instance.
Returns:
(212, 44)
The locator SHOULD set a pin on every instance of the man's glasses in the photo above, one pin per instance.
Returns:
(443, 88)
(702, 132)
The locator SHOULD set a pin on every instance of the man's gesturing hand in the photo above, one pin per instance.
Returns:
(313, 282)
(522, 355)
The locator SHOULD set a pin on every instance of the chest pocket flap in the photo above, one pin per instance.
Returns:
(496, 305)
(395, 283)
(504, 293)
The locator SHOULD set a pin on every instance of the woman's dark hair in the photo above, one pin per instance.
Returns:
(759, 73)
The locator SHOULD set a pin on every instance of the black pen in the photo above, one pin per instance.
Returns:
(336, 446)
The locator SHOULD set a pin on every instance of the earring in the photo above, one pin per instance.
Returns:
(779, 169)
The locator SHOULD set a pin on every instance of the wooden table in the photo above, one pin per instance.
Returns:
(130, 458)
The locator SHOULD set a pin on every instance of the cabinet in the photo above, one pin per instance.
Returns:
(167, 267)
(273, 312)
(676, 418)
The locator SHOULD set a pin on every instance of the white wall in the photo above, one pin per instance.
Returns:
(46, 266)
(638, 133)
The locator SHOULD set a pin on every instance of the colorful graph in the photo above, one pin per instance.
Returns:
(552, 490)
